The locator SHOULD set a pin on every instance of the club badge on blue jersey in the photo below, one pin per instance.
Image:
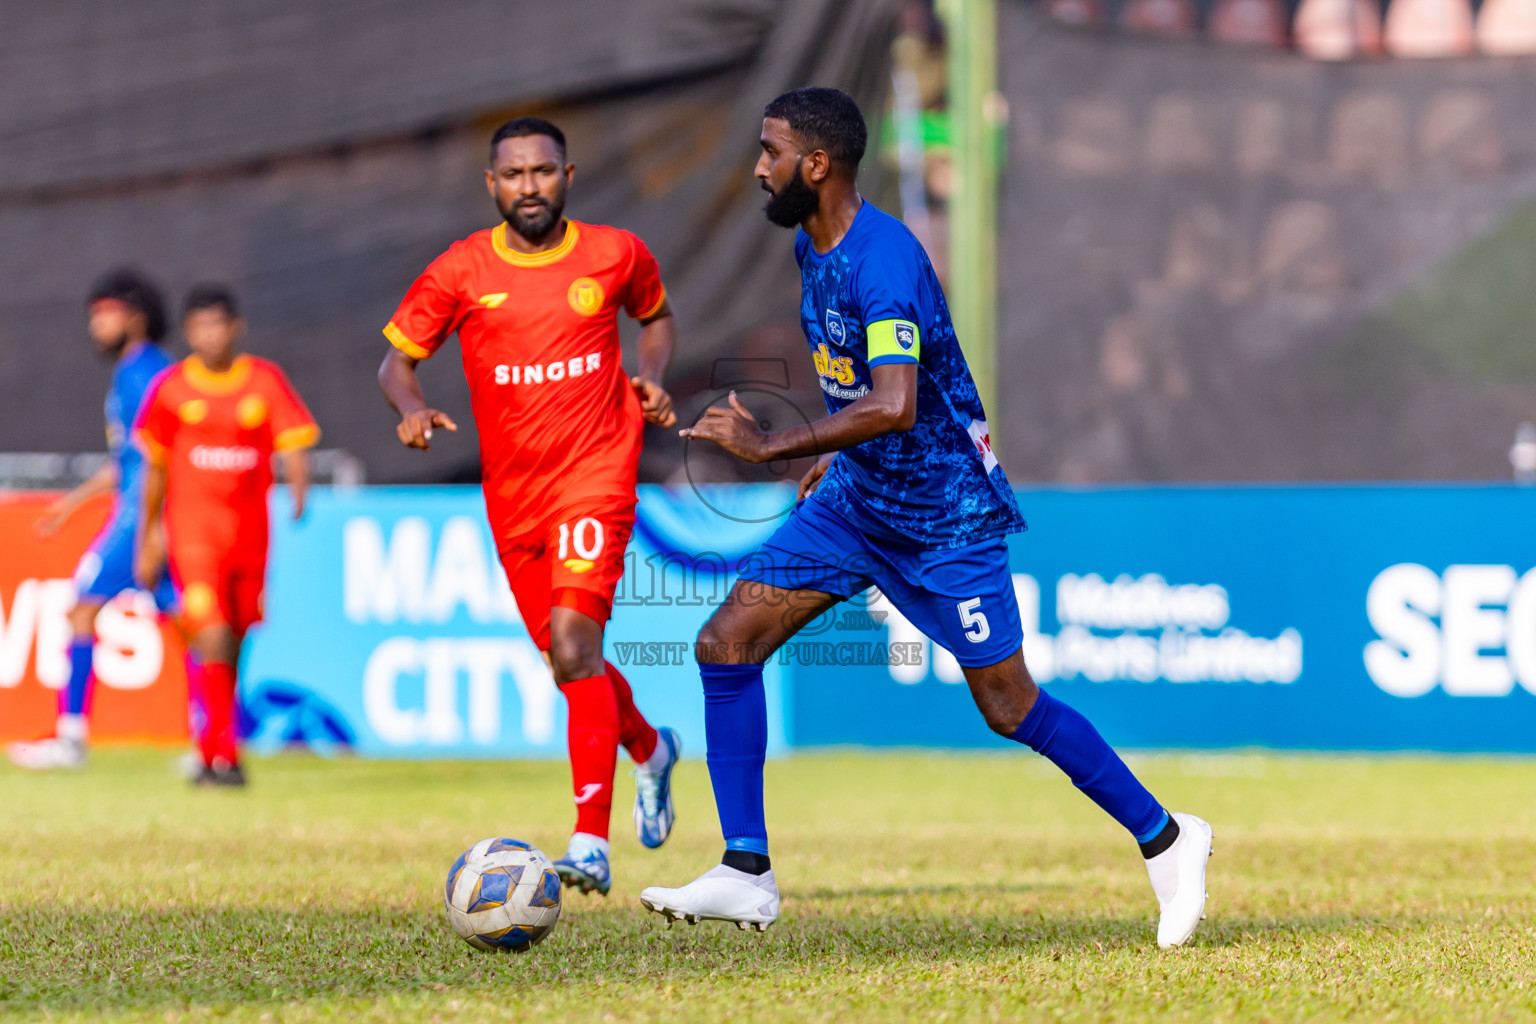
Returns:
(837, 334)
(906, 335)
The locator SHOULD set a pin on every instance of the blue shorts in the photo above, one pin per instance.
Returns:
(106, 568)
(962, 598)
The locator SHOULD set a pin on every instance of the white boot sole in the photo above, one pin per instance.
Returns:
(673, 915)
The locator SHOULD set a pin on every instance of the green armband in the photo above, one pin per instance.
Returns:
(892, 341)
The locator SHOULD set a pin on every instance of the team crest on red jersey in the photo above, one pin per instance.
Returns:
(585, 296)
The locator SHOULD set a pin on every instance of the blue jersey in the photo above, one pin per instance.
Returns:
(874, 299)
(136, 370)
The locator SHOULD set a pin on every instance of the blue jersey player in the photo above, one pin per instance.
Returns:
(127, 321)
(906, 496)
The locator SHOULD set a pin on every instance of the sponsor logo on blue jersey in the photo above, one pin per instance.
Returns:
(839, 379)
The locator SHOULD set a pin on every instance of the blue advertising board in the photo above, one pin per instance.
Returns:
(1350, 618)
(1330, 617)
(390, 628)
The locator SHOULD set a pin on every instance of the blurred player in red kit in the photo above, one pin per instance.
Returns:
(535, 301)
(208, 430)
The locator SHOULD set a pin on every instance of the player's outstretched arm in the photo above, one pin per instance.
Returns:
(658, 336)
(890, 407)
(103, 481)
(398, 381)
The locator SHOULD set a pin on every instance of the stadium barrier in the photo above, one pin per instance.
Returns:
(1324, 617)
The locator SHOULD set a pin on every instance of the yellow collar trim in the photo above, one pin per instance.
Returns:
(533, 259)
(208, 382)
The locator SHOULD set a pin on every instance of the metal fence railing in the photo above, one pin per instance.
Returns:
(36, 471)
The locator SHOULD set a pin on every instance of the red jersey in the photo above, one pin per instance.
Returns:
(216, 433)
(558, 419)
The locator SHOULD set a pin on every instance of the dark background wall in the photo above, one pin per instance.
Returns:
(1215, 263)
(318, 156)
(1225, 265)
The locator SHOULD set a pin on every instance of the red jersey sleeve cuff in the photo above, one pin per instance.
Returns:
(398, 339)
(305, 435)
(655, 307)
(154, 452)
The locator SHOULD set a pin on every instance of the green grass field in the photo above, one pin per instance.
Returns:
(932, 887)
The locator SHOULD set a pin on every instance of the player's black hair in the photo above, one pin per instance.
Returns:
(128, 286)
(522, 127)
(211, 295)
(826, 119)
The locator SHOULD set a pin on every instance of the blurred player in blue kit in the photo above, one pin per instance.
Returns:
(907, 496)
(127, 321)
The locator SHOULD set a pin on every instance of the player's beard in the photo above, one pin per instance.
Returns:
(790, 205)
(535, 227)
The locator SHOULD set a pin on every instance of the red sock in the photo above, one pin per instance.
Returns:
(218, 739)
(197, 709)
(592, 734)
(635, 733)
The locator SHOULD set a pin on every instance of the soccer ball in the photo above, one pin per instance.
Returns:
(502, 894)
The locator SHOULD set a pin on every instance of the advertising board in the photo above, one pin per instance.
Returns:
(141, 690)
(1326, 617)
(1347, 617)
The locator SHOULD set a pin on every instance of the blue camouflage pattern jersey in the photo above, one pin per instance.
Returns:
(874, 299)
(136, 370)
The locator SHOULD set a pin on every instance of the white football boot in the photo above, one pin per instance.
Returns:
(1178, 879)
(47, 754)
(719, 894)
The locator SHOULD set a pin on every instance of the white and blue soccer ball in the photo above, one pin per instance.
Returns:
(502, 894)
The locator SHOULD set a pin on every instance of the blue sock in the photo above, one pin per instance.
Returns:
(1071, 743)
(736, 737)
(76, 695)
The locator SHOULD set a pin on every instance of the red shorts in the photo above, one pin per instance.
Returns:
(217, 591)
(575, 560)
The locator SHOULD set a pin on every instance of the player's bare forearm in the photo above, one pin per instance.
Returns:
(890, 407)
(153, 498)
(402, 389)
(296, 469)
(658, 337)
(149, 547)
(401, 386)
(103, 481)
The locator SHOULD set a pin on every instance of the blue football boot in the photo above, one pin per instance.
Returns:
(585, 866)
(654, 813)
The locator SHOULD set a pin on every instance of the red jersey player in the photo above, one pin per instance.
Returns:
(208, 430)
(535, 302)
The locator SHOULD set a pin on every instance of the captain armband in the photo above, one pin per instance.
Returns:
(892, 341)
